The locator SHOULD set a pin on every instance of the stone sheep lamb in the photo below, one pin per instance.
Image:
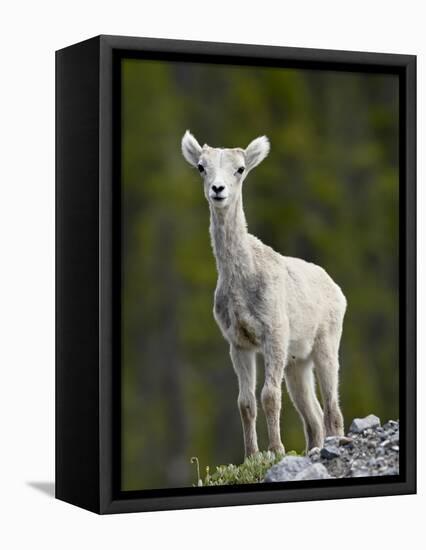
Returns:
(288, 309)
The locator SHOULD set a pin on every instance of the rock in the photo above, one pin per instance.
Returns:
(390, 425)
(331, 440)
(360, 424)
(337, 440)
(371, 451)
(345, 440)
(314, 471)
(362, 472)
(287, 469)
(330, 452)
(337, 467)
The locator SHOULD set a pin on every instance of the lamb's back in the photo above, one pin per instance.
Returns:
(305, 288)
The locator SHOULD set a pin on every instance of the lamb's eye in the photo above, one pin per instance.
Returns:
(200, 168)
(240, 169)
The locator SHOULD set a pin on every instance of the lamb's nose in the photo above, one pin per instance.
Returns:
(219, 189)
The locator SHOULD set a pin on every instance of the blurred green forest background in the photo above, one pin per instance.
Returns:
(328, 193)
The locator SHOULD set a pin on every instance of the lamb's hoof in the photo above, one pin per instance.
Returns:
(252, 452)
(313, 451)
(277, 449)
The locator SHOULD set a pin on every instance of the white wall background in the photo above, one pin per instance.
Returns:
(29, 34)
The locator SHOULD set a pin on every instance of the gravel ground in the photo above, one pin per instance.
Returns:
(369, 449)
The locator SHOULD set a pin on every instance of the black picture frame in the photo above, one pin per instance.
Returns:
(87, 278)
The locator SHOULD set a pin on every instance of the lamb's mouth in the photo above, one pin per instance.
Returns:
(219, 198)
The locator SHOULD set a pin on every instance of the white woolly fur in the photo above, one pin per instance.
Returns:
(285, 308)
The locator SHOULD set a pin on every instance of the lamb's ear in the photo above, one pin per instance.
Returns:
(191, 149)
(256, 151)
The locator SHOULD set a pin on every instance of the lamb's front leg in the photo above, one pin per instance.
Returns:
(275, 358)
(244, 362)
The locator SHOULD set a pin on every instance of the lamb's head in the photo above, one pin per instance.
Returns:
(223, 170)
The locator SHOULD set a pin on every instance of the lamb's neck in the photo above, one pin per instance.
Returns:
(229, 235)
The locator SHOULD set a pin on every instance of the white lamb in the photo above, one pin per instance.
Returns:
(288, 309)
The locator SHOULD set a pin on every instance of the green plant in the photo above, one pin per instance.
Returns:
(252, 470)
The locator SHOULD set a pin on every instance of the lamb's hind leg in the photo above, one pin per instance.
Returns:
(326, 350)
(244, 362)
(300, 383)
(274, 356)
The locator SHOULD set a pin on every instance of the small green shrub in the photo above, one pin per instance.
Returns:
(252, 470)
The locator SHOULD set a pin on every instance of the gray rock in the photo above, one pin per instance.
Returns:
(337, 467)
(362, 472)
(332, 440)
(390, 424)
(330, 452)
(360, 424)
(337, 440)
(314, 471)
(287, 469)
(345, 440)
(372, 451)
